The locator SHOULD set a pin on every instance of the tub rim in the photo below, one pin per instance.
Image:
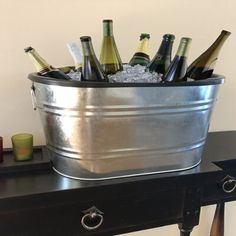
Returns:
(35, 77)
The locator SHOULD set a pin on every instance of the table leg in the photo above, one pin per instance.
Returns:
(217, 227)
(185, 231)
(191, 210)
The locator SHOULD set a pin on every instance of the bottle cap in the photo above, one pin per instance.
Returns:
(85, 38)
(144, 35)
(225, 32)
(169, 37)
(28, 49)
(107, 21)
(186, 40)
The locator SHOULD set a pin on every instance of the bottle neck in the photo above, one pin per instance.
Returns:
(183, 48)
(165, 48)
(40, 64)
(216, 46)
(87, 48)
(107, 29)
(143, 46)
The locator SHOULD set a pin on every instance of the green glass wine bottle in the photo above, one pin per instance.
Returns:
(141, 55)
(109, 58)
(203, 66)
(91, 69)
(76, 55)
(161, 61)
(178, 66)
(43, 68)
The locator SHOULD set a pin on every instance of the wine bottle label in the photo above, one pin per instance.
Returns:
(142, 55)
(140, 58)
(143, 46)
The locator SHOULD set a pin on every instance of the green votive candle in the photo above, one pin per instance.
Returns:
(22, 145)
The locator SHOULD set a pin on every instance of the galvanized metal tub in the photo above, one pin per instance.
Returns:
(109, 130)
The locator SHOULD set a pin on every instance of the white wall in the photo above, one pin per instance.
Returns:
(48, 25)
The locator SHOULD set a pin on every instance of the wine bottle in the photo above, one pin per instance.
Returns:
(178, 66)
(76, 55)
(91, 69)
(43, 68)
(109, 58)
(203, 66)
(141, 55)
(217, 227)
(161, 61)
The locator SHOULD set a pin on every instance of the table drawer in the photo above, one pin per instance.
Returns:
(157, 209)
(220, 188)
(115, 215)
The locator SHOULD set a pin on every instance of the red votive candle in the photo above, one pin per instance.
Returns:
(1, 149)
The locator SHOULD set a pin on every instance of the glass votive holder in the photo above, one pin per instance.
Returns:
(22, 145)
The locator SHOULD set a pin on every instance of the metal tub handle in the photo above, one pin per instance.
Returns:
(33, 97)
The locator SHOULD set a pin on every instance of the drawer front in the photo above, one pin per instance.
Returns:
(137, 211)
(114, 216)
(220, 188)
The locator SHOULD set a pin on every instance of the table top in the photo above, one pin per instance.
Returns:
(220, 146)
(35, 200)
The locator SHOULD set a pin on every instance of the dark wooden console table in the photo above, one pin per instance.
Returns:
(41, 202)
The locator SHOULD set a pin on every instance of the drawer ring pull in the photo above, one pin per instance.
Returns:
(230, 181)
(92, 214)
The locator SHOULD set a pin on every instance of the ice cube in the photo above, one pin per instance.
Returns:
(75, 75)
(135, 74)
